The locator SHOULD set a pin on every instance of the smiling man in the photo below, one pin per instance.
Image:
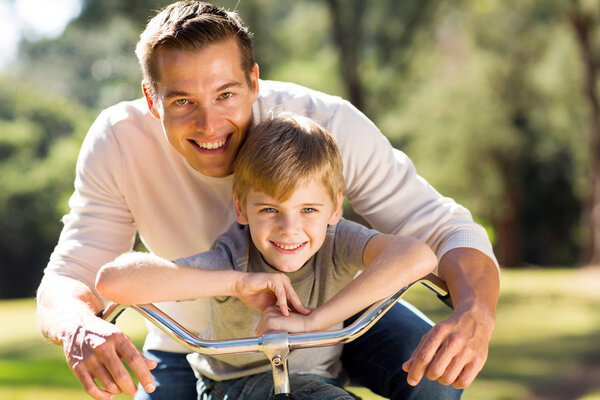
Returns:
(162, 167)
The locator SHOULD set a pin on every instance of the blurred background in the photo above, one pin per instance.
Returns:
(496, 102)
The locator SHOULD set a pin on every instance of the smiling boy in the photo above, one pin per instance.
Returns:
(287, 193)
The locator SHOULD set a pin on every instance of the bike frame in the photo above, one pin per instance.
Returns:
(275, 345)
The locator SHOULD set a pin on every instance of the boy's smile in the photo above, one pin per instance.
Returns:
(288, 233)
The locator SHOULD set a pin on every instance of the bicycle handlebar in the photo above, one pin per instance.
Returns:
(255, 344)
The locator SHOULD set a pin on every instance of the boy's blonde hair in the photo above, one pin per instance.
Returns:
(280, 154)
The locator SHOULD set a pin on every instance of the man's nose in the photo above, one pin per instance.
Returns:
(207, 120)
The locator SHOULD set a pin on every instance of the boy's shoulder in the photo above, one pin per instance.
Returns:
(229, 251)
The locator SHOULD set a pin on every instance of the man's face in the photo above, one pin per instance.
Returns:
(288, 233)
(204, 101)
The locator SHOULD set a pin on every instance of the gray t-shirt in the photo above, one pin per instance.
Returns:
(328, 271)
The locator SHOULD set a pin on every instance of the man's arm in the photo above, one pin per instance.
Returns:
(392, 262)
(455, 350)
(93, 348)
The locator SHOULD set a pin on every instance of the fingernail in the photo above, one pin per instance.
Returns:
(149, 388)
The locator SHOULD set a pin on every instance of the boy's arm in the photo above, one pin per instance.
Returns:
(392, 262)
(138, 278)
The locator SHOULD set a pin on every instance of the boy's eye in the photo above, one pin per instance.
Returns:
(308, 210)
(268, 210)
(181, 102)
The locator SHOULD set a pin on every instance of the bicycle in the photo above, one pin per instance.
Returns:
(275, 345)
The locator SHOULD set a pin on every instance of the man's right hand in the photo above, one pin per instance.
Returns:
(94, 352)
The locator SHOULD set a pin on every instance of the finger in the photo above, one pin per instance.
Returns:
(451, 372)
(138, 364)
(466, 376)
(422, 356)
(89, 385)
(114, 365)
(101, 375)
(446, 363)
(282, 300)
(295, 301)
(151, 364)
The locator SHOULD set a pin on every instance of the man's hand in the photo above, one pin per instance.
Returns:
(94, 351)
(453, 352)
(273, 320)
(263, 290)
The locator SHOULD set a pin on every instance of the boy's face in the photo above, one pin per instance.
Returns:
(204, 102)
(289, 233)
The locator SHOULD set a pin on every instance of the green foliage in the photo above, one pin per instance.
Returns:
(483, 95)
(39, 139)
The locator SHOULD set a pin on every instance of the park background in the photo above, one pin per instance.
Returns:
(495, 102)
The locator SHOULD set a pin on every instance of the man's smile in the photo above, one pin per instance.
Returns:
(210, 144)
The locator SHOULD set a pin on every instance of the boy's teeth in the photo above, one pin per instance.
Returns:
(288, 246)
(211, 145)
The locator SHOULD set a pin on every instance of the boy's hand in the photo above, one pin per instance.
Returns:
(262, 290)
(273, 320)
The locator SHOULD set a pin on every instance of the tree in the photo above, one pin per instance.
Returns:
(584, 19)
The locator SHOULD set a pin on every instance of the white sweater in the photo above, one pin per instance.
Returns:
(130, 179)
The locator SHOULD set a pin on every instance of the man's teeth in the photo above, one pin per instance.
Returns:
(211, 145)
(288, 246)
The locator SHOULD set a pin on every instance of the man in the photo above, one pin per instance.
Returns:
(164, 170)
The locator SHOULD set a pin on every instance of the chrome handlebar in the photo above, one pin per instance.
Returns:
(277, 344)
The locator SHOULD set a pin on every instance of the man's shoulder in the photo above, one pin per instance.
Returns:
(132, 111)
(277, 96)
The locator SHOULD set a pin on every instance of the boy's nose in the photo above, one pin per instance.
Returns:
(288, 225)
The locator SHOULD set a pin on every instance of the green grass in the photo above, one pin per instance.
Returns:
(547, 326)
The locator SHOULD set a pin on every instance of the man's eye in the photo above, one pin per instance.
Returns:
(181, 102)
(226, 95)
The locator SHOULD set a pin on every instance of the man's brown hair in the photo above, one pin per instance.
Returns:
(281, 153)
(191, 25)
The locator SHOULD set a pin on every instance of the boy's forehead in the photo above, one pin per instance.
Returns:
(304, 191)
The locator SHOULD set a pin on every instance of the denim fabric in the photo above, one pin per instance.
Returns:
(260, 387)
(174, 378)
(375, 359)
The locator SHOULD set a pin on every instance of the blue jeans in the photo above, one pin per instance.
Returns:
(260, 387)
(374, 360)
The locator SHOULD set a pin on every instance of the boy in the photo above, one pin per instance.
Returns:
(287, 190)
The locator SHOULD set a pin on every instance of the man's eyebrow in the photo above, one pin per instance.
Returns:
(181, 93)
(176, 93)
(228, 85)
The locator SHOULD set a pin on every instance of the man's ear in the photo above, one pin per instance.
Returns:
(239, 213)
(335, 217)
(254, 82)
(149, 100)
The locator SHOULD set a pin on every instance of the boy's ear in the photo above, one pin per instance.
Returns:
(335, 217)
(239, 213)
(149, 100)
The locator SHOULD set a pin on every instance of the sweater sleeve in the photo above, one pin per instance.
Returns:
(99, 225)
(384, 187)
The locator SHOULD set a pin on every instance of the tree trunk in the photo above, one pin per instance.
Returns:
(582, 26)
(347, 30)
